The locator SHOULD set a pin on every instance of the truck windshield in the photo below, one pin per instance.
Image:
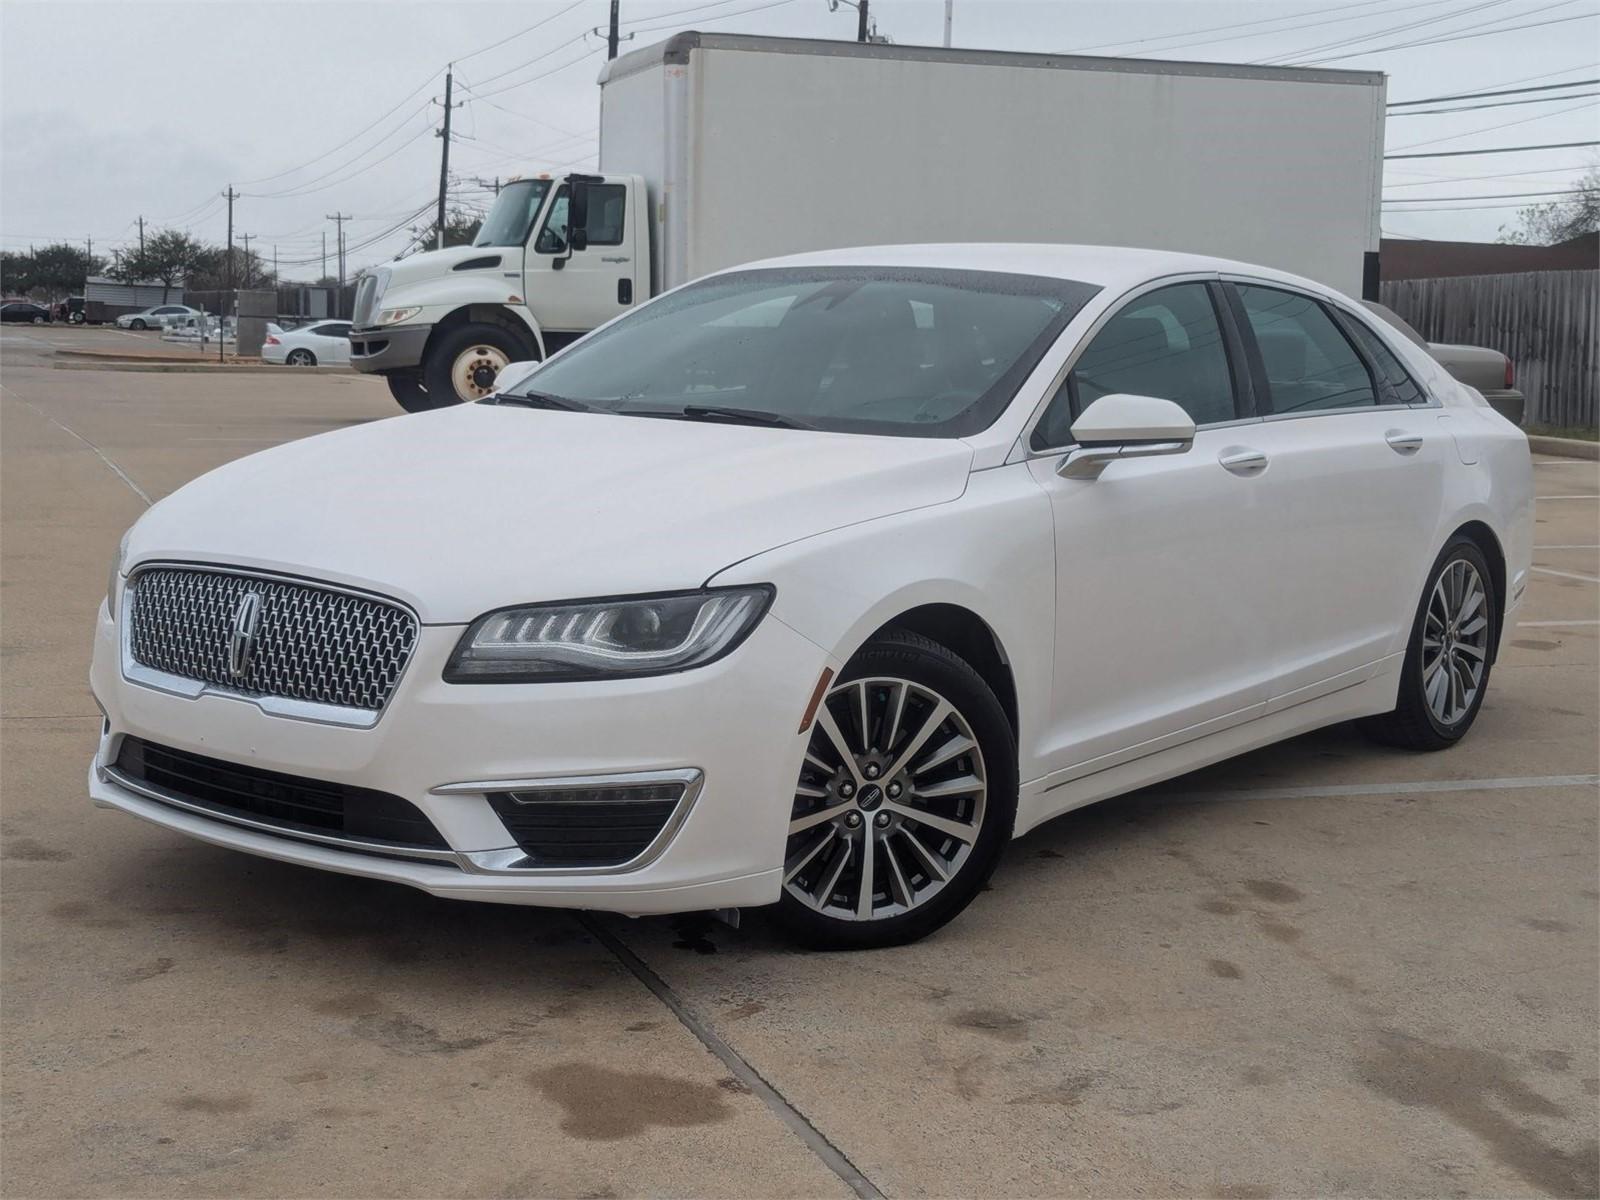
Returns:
(512, 216)
(913, 352)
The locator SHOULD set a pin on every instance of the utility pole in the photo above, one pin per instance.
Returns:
(91, 249)
(222, 309)
(141, 239)
(324, 274)
(245, 238)
(861, 20)
(949, 16)
(611, 37)
(444, 155)
(274, 264)
(338, 218)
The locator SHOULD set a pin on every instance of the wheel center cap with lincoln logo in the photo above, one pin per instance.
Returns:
(870, 797)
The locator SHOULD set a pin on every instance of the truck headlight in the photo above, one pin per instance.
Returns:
(116, 574)
(393, 316)
(606, 639)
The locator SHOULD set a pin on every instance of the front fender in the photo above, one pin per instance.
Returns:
(990, 551)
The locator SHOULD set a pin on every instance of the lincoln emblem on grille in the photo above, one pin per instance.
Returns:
(242, 643)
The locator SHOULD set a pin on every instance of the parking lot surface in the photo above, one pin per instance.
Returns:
(1324, 968)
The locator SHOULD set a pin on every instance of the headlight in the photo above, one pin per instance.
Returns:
(393, 316)
(116, 574)
(606, 639)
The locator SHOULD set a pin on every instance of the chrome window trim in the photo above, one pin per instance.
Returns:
(277, 706)
(162, 796)
(1036, 418)
(505, 862)
(1336, 302)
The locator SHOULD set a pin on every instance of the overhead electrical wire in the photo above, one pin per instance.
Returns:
(1427, 112)
(540, 24)
(1544, 87)
(1242, 25)
(1453, 137)
(1587, 66)
(1488, 196)
(1493, 150)
(1373, 34)
(1460, 37)
(1437, 179)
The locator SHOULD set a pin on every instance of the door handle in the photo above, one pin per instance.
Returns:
(1402, 442)
(1243, 461)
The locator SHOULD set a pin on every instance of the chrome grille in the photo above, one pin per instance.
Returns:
(368, 289)
(311, 643)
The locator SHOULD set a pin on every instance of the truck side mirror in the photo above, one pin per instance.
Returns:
(578, 213)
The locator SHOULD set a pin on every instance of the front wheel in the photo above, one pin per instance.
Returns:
(38, 320)
(906, 798)
(137, 324)
(466, 361)
(1449, 655)
(408, 392)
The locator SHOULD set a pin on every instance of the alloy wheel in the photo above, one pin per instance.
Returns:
(476, 369)
(889, 804)
(1455, 642)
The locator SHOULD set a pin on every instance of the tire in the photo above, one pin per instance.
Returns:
(38, 320)
(406, 387)
(1452, 636)
(462, 364)
(300, 357)
(900, 677)
(77, 319)
(137, 325)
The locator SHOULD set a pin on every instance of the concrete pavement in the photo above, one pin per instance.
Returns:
(1322, 968)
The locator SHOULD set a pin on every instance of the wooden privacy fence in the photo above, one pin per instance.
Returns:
(1544, 321)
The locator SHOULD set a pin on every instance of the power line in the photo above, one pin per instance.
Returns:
(1434, 180)
(540, 24)
(1546, 87)
(1424, 112)
(1453, 208)
(1458, 38)
(311, 185)
(1453, 137)
(1370, 35)
(1493, 150)
(1489, 196)
(1507, 82)
(1241, 25)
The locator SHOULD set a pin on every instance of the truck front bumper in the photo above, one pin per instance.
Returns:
(396, 348)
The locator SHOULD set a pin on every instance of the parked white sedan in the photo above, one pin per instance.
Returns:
(814, 582)
(157, 317)
(322, 344)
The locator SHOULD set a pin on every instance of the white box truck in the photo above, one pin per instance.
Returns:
(719, 149)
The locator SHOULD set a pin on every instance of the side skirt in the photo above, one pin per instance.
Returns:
(1052, 795)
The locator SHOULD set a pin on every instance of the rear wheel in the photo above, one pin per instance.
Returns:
(905, 800)
(1447, 663)
(465, 362)
(301, 358)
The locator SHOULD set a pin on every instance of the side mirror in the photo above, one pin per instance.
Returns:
(1125, 426)
(577, 213)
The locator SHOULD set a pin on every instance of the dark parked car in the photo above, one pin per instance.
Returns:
(25, 311)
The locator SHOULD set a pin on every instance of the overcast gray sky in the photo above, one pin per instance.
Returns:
(112, 110)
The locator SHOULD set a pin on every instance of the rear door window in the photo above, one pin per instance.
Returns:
(1402, 388)
(1310, 364)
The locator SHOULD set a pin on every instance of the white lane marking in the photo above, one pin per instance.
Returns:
(1565, 575)
(1596, 546)
(1405, 788)
(1562, 462)
(1553, 624)
(99, 453)
(1580, 496)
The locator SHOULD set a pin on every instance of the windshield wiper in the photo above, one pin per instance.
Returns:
(542, 400)
(743, 416)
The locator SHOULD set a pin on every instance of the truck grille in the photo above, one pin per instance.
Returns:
(310, 643)
(287, 802)
(368, 289)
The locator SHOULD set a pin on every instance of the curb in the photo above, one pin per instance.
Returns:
(1564, 447)
(197, 368)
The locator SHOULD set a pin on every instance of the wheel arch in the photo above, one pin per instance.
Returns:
(966, 634)
(515, 321)
(1481, 535)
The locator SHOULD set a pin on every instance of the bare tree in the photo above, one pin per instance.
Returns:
(1559, 220)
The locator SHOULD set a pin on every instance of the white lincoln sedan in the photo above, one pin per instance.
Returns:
(813, 582)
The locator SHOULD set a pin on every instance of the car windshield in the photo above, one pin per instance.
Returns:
(513, 212)
(912, 352)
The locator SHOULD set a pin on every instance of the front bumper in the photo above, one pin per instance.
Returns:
(735, 720)
(393, 348)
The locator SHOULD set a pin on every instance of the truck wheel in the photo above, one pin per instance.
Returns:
(406, 387)
(464, 363)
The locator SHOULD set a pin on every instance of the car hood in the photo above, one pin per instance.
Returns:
(466, 509)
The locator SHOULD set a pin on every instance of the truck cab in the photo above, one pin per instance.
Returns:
(555, 257)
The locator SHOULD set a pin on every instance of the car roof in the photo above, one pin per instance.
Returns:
(1114, 268)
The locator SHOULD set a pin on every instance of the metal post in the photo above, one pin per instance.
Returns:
(444, 154)
(324, 274)
(222, 313)
(141, 239)
(338, 219)
(861, 21)
(611, 37)
(245, 238)
(949, 15)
